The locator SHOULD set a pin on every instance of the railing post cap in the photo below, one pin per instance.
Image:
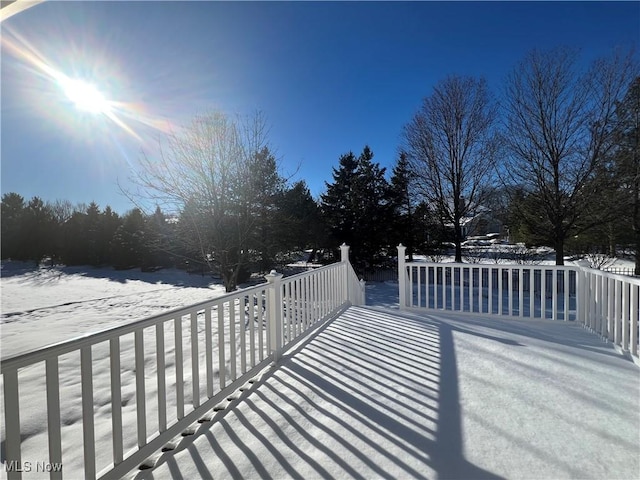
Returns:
(272, 276)
(344, 252)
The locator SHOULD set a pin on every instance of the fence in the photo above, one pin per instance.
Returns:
(629, 271)
(202, 352)
(606, 303)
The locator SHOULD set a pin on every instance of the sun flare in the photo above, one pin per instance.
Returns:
(85, 96)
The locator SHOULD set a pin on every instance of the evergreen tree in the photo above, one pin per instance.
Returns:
(402, 204)
(12, 217)
(355, 208)
(129, 242)
(300, 224)
(265, 188)
(374, 211)
(39, 230)
(109, 223)
(339, 202)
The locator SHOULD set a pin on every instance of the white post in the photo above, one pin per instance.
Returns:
(402, 277)
(344, 259)
(274, 299)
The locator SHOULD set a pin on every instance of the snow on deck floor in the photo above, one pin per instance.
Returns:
(379, 393)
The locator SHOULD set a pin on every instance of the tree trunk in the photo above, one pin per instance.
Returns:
(559, 246)
(458, 241)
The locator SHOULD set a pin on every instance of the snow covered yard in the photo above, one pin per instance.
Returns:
(44, 305)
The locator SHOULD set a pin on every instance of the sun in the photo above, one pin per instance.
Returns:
(85, 96)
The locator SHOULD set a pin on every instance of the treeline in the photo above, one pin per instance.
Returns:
(60, 232)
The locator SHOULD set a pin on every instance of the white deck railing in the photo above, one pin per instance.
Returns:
(606, 303)
(202, 353)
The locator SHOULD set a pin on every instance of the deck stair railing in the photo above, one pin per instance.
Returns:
(181, 364)
(606, 303)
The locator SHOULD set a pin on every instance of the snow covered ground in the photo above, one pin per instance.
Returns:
(374, 394)
(41, 306)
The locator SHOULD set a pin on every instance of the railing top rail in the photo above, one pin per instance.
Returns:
(615, 276)
(30, 357)
(575, 268)
(415, 263)
(310, 272)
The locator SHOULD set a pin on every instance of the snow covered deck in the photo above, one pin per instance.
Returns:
(379, 393)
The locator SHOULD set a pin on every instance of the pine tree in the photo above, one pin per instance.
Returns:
(129, 242)
(12, 227)
(264, 188)
(38, 230)
(374, 211)
(300, 224)
(355, 208)
(401, 204)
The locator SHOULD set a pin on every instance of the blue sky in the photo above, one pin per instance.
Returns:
(329, 76)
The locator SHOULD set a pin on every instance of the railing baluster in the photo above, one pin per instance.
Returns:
(490, 295)
(195, 361)
(565, 294)
(315, 292)
(251, 313)
(610, 308)
(520, 292)
(222, 371)
(617, 315)
(625, 317)
(179, 367)
(208, 345)
(141, 405)
(53, 414)
(460, 275)
(261, 324)
(419, 284)
(243, 335)
(443, 292)
(481, 290)
(12, 422)
(116, 399)
(600, 284)
(88, 433)
(232, 338)
(160, 375)
(464, 293)
(307, 287)
(554, 294)
(500, 291)
(543, 293)
(635, 293)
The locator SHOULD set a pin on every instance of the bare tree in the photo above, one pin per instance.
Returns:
(204, 171)
(451, 146)
(559, 132)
